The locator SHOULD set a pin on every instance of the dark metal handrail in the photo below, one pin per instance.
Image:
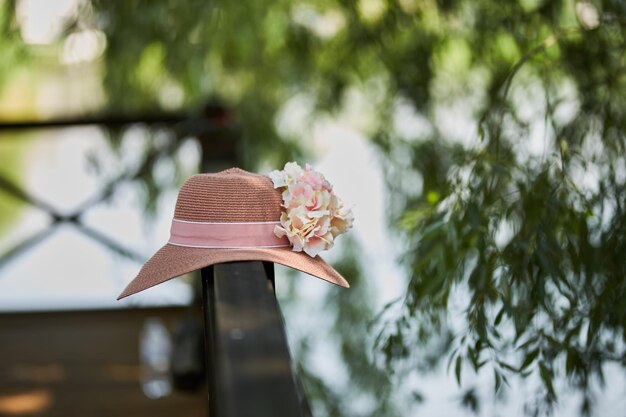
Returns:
(210, 117)
(249, 368)
(103, 120)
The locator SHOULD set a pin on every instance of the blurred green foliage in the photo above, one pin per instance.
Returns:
(508, 190)
(13, 50)
(350, 314)
(11, 168)
(10, 153)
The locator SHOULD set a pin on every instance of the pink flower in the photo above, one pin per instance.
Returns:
(314, 216)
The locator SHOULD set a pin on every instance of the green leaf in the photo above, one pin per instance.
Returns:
(507, 366)
(529, 359)
(497, 381)
(432, 229)
(499, 317)
(546, 377)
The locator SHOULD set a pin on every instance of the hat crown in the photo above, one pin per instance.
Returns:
(233, 195)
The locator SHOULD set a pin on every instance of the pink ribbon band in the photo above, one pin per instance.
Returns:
(225, 235)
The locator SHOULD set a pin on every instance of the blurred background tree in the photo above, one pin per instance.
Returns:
(501, 127)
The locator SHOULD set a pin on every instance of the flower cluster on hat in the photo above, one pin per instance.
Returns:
(313, 215)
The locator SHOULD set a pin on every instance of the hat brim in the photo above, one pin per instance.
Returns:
(172, 261)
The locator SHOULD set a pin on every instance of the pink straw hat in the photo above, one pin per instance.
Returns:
(233, 215)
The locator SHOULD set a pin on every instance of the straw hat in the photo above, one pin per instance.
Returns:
(228, 216)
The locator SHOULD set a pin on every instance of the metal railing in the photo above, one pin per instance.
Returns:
(249, 369)
(204, 126)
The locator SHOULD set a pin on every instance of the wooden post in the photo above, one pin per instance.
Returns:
(249, 371)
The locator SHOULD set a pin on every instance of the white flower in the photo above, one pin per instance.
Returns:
(314, 216)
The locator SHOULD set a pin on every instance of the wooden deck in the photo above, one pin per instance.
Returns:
(82, 363)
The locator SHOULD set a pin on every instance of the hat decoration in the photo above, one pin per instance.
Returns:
(313, 214)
